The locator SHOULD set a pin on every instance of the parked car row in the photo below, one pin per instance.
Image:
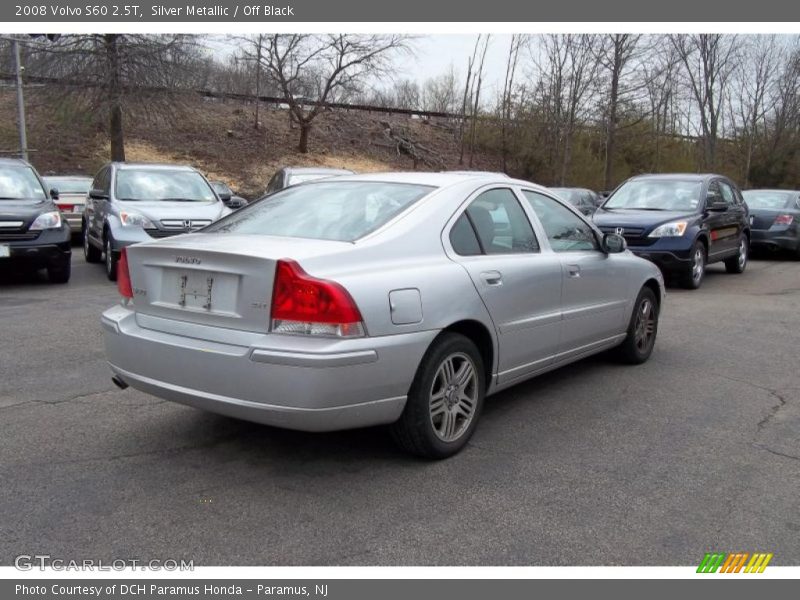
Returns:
(124, 204)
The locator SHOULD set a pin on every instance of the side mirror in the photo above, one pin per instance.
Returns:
(236, 203)
(614, 244)
(717, 206)
(54, 193)
(96, 194)
(225, 197)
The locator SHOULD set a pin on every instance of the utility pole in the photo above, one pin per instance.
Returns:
(23, 137)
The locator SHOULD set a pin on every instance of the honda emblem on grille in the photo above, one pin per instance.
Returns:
(187, 224)
(620, 231)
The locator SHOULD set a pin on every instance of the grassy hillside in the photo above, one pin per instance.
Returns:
(219, 138)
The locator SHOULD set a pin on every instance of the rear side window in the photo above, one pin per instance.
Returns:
(329, 210)
(463, 238)
(500, 224)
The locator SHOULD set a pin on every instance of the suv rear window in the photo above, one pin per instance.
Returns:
(328, 210)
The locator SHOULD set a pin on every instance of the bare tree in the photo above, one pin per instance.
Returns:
(468, 91)
(616, 53)
(120, 73)
(478, 79)
(439, 94)
(508, 93)
(708, 61)
(326, 65)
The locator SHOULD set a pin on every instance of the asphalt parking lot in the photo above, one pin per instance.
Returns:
(697, 450)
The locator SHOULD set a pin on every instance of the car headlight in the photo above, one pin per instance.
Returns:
(48, 220)
(135, 219)
(673, 229)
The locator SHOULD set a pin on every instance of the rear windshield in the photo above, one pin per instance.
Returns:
(767, 199)
(328, 210)
(68, 185)
(18, 182)
(656, 194)
(162, 185)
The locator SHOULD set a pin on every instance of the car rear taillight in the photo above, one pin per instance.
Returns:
(66, 207)
(302, 304)
(124, 275)
(783, 220)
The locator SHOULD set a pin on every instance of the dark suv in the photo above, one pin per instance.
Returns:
(680, 222)
(33, 233)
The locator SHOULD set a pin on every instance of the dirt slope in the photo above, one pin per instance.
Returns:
(219, 138)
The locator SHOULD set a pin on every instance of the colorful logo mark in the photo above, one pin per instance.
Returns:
(734, 562)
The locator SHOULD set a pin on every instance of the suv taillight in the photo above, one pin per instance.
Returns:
(302, 304)
(124, 275)
(783, 220)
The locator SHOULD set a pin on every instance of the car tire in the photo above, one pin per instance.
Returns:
(638, 345)
(110, 259)
(60, 272)
(692, 277)
(738, 262)
(90, 253)
(445, 399)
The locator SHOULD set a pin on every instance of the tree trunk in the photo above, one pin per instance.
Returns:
(258, 80)
(115, 129)
(305, 129)
(612, 125)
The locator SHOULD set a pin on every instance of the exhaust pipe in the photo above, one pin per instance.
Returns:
(118, 382)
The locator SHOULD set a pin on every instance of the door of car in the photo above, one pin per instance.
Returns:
(722, 230)
(520, 285)
(736, 215)
(595, 288)
(96, 208)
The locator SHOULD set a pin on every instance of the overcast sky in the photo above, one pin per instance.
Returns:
(433, 55)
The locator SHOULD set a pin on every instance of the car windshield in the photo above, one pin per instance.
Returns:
(20, 182)
(656, 194)
(765, 199)
(162, 185)
(343, 210)
(571, 195)
(69, 185)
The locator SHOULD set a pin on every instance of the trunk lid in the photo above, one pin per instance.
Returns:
(219, 280)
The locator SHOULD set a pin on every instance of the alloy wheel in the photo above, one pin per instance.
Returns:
(453, 397)
(698, 264)
(645, 325)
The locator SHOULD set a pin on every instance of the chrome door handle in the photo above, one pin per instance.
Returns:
(492, 277)
(574, 271)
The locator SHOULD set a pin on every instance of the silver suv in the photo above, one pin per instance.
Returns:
(130, 203)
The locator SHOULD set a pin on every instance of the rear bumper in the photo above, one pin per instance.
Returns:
(286, 381)
(775, 240)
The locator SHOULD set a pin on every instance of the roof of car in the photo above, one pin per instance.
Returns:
(682, 176)
(67, 176)
(312, 170)
(14, 161)
(772, 190)
(443, 179)
(145, 165)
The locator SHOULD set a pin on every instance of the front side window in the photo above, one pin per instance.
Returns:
(162, 185)
(500, 224)
(727, 193)
(329, 210)
(20, 182)
(656, 194)
(565, 230)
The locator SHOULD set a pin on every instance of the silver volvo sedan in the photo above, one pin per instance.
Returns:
(400, 298)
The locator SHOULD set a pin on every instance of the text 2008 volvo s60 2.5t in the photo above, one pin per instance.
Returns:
(399, 299)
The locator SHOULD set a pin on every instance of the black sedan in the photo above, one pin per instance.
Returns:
(774, 219)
